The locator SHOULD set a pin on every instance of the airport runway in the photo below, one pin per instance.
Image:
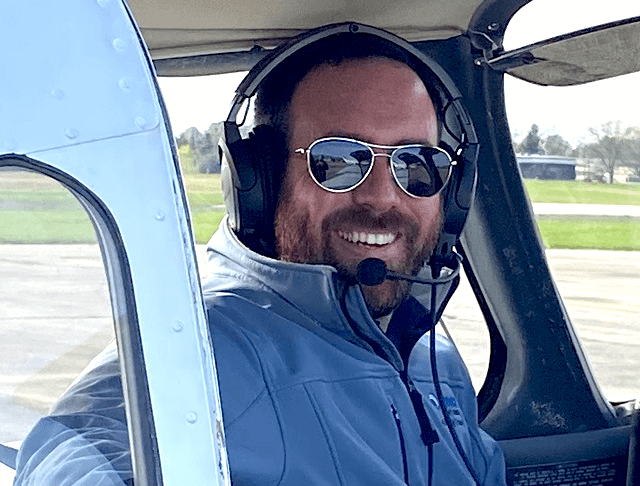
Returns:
(55, 316)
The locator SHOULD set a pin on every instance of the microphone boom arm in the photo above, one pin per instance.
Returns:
(373, 271)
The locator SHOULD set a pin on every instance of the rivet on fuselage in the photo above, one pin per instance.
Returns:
(140, 122)
(192, 417)
(119, 45)
(71, 133)
(124, 84)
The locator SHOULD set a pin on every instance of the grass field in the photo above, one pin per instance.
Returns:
(34, 209)
(587, 232)
(582, 193)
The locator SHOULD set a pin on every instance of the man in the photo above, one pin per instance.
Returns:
(313, 390)
(324, 381)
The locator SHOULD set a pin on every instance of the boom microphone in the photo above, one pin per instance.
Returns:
(373, 271)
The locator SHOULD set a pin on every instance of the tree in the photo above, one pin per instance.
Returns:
(608, 147)
(514, 136)
(532, 143)
(204, 147)
(632, 149)
(556, 145)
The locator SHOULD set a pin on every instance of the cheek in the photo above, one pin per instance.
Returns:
(427, 212)
(302, 189)
(306, 193)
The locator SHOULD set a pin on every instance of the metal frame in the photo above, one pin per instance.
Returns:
(86, 111)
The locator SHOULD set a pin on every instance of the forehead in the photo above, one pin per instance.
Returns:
(381, 99)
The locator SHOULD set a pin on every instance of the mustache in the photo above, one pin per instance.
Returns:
(365, 216)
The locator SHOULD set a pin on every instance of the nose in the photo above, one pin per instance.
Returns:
(379, 189)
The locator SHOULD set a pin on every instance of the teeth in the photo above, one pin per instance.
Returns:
(368, 238)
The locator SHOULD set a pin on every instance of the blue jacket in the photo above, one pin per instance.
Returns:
(312, 391)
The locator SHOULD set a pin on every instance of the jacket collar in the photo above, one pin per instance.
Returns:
(320, 293)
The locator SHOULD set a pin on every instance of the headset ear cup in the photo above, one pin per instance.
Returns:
(270, 154)
(234, 156)
(252, 173)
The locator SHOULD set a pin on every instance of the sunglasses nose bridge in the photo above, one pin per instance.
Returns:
(388, 153)
(378, 154)
(379, 186)
(381, 152)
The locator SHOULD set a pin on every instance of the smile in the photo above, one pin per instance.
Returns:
(368, 238)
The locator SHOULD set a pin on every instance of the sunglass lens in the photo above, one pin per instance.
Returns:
(339, 165)
(421, 171)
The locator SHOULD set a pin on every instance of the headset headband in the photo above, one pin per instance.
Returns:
(248, 179)
(267, 64)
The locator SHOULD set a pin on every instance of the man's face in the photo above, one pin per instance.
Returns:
(379, 101)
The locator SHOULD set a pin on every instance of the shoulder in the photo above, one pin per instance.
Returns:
(239, 354)
(98, 387)
(85, 439)
(451, 370)
(450, 365)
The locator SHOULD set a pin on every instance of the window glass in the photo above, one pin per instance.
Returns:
(55, 314)
(197, 106)
(465, 324)
(543, 19)
(579, 151)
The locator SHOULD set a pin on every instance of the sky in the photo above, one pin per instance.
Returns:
(567, 111)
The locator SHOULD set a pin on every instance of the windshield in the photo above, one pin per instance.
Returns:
(597, 279)
(578, 149)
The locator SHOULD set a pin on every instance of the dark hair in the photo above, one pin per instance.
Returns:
(273, 97)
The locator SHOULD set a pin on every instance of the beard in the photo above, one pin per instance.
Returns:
(296, 242)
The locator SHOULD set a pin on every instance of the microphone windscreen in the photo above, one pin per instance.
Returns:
(371, 271)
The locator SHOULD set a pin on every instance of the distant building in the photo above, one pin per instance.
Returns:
(548, 167)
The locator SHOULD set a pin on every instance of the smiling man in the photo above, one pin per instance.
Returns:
(325, 381)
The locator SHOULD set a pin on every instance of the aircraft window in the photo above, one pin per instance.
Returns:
(55, 314)
(544, 19)
(589, 222)
(55, 305)
(466, 325)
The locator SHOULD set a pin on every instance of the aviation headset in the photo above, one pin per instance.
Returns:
(253, 167)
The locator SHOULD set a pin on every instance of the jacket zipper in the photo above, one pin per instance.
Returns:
(403, 450)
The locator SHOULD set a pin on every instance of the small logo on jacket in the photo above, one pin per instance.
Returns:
(451, 406)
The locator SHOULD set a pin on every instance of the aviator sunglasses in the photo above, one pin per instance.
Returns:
(342, 164)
